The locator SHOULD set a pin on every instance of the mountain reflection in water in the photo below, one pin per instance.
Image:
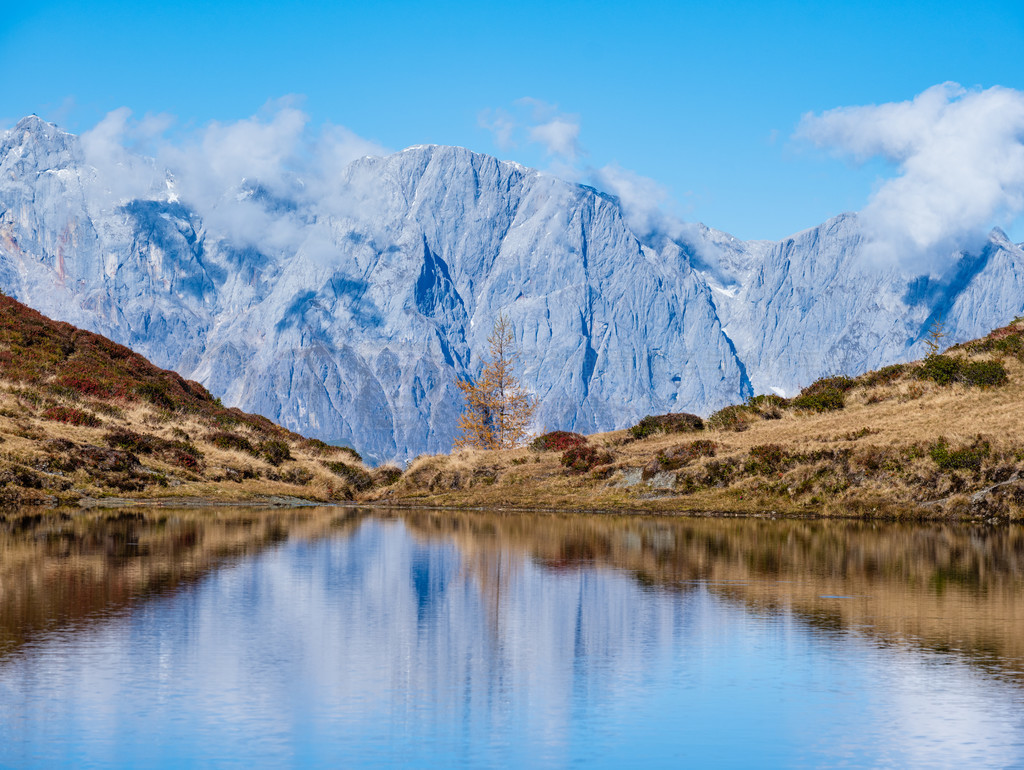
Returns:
(329, 635)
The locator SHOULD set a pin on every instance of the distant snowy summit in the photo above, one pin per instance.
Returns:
(347, 312)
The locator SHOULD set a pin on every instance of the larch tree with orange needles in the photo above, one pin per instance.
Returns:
(498, 408)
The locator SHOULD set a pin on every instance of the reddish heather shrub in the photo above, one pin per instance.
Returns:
(557, 441)
(186, 457)
(581, 459)
(72, 416)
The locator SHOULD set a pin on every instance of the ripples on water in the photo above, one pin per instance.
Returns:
(327, 637)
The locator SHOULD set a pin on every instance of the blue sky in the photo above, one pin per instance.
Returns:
(703, 98)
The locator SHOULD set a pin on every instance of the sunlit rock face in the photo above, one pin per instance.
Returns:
(352, 314)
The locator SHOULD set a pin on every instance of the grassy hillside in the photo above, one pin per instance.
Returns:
(943, 438)
(83, 417)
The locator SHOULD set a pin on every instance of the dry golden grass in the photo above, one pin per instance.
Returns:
(31, 469)
(872, 457)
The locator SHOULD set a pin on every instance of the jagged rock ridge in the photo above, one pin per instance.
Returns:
(356, 332)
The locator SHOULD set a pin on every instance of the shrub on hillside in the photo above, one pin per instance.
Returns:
(71, 416)
(965, 458)
(184, 455)
(1008, 340)
(581, 459)
(130, 441)
(386, 475)
(357, 478)
(674, 422)
(983, 373)
(945, 370)
(323, 449)
(840, 382)
(679, 456)
(822, 400)
(766, 459)
(733, 417)
(226, 440)
(884, 376)
(275, 451)
(940, 369)
(156, 394)
(557, 441)
(824, 395)
(296, 475)
(768, 406)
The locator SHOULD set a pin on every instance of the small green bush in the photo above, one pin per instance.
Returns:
(129, 440)
(733, 417)
(825, 395)
(386, 475)
(275, 451)
(297, 475)
(940, 369)
(226, 440)
(557, 441)
(156, 394)
(964, 458)
(768, 406)
(840, 382)
(820, 400)
(945, 370)
(356, 477)
(983, 373)
(884, 376)
(674, 422)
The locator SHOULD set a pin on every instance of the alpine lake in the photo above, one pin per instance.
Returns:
(345, 637)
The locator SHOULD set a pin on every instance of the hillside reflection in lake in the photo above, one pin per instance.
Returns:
(338, 637)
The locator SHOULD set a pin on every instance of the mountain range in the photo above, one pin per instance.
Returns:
(349, 313)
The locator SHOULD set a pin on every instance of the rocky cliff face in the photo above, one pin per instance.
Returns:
(356, 327)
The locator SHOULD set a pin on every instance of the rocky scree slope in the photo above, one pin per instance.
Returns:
(356, 329)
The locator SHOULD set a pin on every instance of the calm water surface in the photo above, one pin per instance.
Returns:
(338, 638)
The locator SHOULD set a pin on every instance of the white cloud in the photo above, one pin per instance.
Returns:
(120, 174)
(643, 199)
(960, 160)
(559, 137)
(650, 211)
(502, 125)
(646, 205)
(215, 168)
(532, 121)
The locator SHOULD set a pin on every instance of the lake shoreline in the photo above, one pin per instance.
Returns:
(280, 502)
